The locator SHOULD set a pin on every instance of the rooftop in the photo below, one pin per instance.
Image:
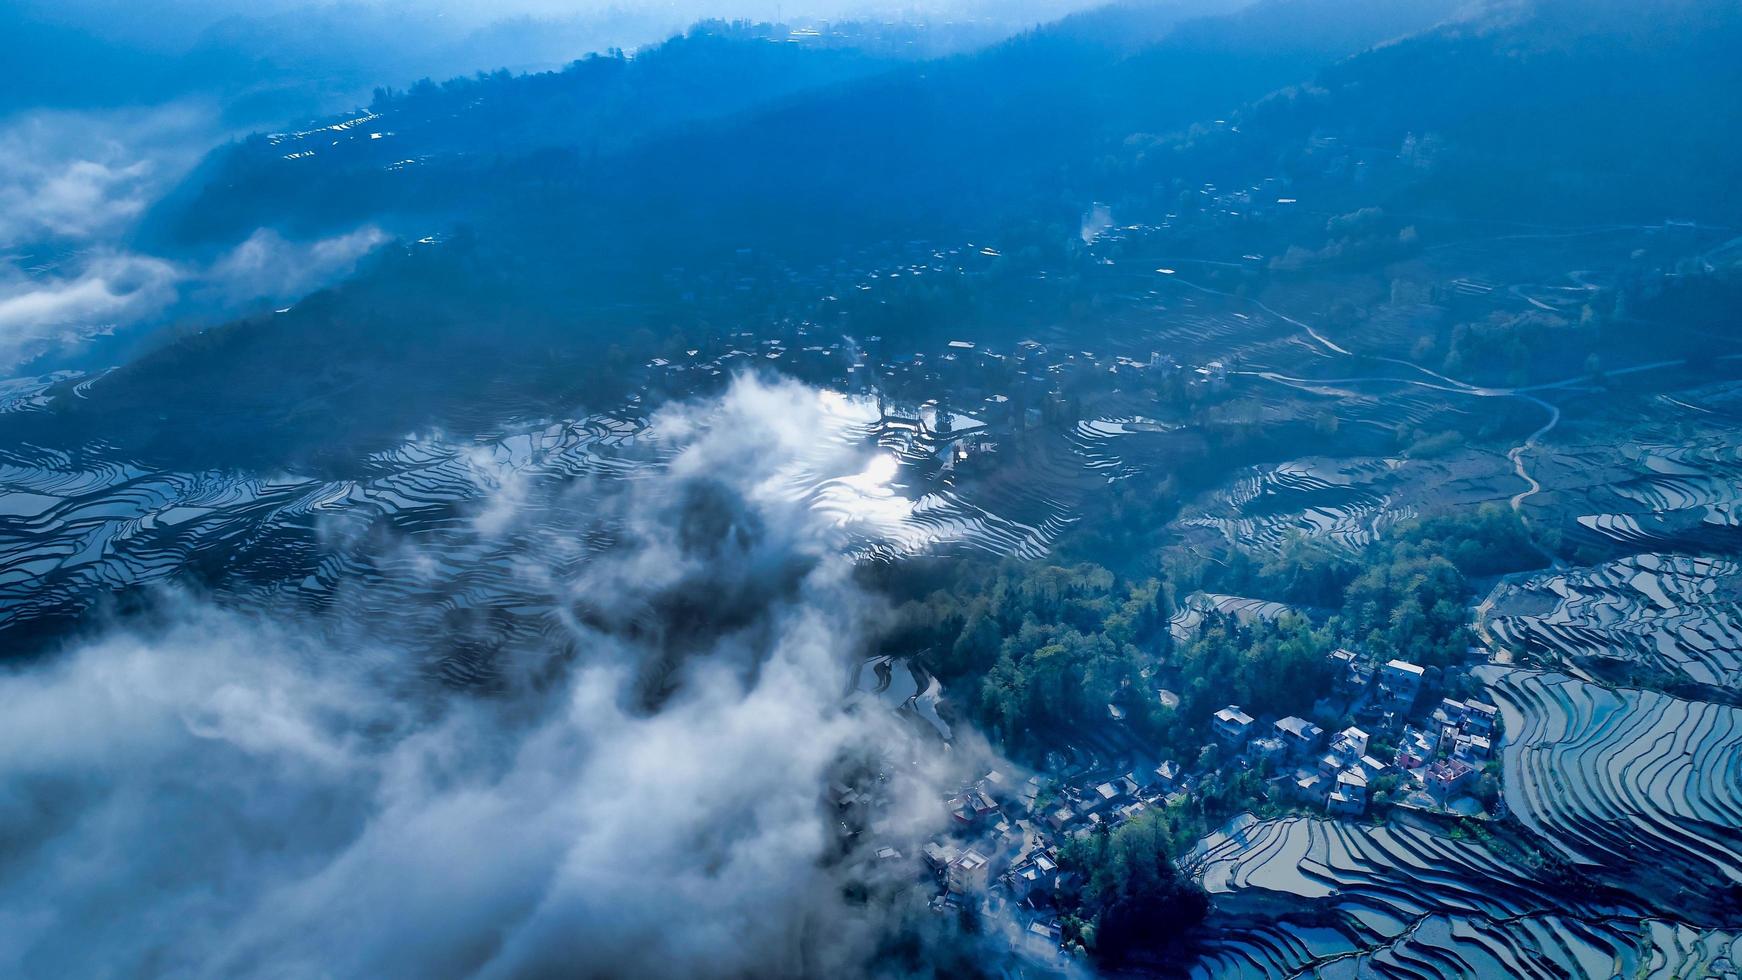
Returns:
(1299, 727)
(1449, 769)
(1233, 714)
(970, 860)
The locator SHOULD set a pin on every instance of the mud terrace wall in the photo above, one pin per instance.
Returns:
(1678, 613)
(1628, 780)
(1398, 902)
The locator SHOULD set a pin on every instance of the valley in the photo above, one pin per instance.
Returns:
(1211, 490)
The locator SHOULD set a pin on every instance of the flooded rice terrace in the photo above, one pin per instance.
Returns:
(451, 527)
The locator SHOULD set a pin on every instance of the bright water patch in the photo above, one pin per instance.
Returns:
(1623, 776)
(1398, 901)
(78, 524)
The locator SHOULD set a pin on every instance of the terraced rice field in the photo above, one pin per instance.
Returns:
(1674, 494)
(75, 525)
(1671, 481)
(1199, 606)
(1345, 503)
(1098, 443)
(1678, 613)
(1629, 781)
(1322, 898)
(79, 525)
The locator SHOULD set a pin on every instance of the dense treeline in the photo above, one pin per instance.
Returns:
(1403, 597)
(1406, 597)
(1041, 645)
(1133, 900)
(1032, 647)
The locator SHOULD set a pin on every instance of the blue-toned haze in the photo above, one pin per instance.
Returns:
(962, 488)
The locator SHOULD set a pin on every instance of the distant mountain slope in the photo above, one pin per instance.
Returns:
(592, 221)
(583, 205)
(419, 151)
(978, 141)
(727, 127)
(268, 62)
(1551, 110)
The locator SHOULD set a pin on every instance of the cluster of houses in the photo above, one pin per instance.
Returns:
(1001, 852)
(1334, 776)
(986, 398)
(1012, 391)
(1443, 754)
(1447, 754)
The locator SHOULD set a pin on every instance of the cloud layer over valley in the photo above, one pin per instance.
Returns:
(205, 791)
(73, 185)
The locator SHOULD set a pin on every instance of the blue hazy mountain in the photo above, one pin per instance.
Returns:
(574, 192)
(1211, 488)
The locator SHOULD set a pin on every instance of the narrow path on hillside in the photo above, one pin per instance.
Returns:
(1518, 451)
(1442, 382)
(1446, 383)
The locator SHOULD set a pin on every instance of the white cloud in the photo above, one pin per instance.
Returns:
(268, 266)
(73, 184)
(100, 290)
(107, 290)
(87, 176)
(231, 795)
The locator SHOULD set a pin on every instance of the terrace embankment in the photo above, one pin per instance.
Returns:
(1399, 901)
(1636, 786)
(1667, 614)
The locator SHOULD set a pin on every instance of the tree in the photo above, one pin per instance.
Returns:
(1137, 899)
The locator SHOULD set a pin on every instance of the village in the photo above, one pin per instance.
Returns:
(1000, 862)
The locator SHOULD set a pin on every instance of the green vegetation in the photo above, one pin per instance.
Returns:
(1505, 347)
(1132, 900)
(1405, 597)
(1040, 648)
(1044, 645)
(1269, 667)
(1035, 649)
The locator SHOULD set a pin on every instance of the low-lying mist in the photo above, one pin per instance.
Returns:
(75, 185)
(207, 791)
